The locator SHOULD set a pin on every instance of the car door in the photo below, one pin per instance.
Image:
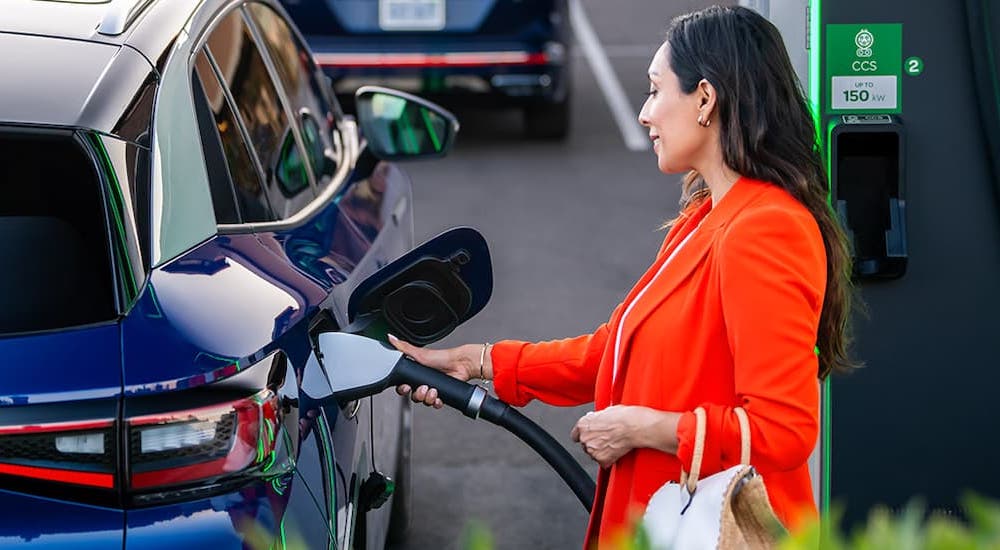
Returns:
(365, 225)
(242, 129)
(322, 220)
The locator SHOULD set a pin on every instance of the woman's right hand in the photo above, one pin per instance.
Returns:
(460, 362)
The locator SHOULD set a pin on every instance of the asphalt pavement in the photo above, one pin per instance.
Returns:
(571, 225)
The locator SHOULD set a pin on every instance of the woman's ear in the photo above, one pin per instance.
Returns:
(707, 97)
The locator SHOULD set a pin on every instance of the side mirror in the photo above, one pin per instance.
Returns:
(401, 126)
(426, 293)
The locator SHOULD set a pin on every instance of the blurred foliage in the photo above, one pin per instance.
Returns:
(257, 537)
(911, 529)
(477, 537)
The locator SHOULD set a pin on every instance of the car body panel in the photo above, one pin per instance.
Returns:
(76, 21)
(77, 364)
(156, 27)
(197, 315)
(150, 34)
(70, 68)
(62, 526)
(256, 516)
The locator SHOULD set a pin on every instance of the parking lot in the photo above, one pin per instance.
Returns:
(571, 225)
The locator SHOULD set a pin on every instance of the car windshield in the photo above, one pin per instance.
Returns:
(53, 237)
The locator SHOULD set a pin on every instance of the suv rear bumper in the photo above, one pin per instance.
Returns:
(504, 72)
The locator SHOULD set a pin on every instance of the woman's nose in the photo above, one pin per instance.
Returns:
(643, 119)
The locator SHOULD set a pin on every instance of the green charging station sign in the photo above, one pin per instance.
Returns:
(863, 66)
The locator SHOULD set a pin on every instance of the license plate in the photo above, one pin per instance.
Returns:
(411, 15)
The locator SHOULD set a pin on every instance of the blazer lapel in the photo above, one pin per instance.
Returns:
(706, 226)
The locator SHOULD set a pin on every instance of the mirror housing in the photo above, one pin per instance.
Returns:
(402, 126)
(423, 295)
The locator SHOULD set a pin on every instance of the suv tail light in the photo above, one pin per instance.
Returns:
(79, 453)
(201, 444)
(165, 451)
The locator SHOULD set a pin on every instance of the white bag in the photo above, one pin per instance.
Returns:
(726, 510)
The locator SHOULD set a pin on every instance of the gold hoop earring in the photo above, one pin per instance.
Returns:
(701, 120)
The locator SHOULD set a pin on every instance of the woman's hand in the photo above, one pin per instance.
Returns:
(460, 362)
(610, 434)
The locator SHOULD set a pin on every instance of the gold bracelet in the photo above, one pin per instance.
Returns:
(482, 361)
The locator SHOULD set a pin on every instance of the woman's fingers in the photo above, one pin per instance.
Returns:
(426, 395)
(409, 349)
(418, 394)
(406, 347)
(429, 398)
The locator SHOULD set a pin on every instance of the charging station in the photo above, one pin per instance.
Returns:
(907, 104)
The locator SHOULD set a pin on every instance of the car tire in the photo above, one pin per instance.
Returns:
(547, 120)
(399, 520)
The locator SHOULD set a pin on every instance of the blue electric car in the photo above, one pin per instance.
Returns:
(184, 210)
(488, 52)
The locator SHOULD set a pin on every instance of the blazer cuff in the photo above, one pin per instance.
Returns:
(506, 355)
(686, 428)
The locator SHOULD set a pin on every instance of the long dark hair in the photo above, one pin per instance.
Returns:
(767, 134)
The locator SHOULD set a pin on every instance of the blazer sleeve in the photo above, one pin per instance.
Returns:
(772, 266)
(557, 372)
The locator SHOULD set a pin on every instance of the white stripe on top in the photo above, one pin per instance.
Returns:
(621, 324)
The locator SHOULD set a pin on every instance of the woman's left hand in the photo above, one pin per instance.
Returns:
(609, 434)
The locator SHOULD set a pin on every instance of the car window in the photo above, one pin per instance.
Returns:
(237, 193)
(259, 107)
(305, 89)
(181, 201)
(53, 234)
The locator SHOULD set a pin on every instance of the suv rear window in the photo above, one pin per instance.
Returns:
(53, 236)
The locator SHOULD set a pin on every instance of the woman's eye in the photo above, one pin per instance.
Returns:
(650, 93)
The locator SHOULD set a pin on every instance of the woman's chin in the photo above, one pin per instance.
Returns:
(667, 168)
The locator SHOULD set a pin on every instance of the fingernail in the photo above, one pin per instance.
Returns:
(391, 337)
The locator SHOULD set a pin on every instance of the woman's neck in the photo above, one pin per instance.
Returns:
(720, 179)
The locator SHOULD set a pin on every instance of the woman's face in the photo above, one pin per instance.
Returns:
(672, 118)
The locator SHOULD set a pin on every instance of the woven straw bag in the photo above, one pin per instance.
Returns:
(725, 511)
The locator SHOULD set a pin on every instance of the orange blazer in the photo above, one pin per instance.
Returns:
(731, 321)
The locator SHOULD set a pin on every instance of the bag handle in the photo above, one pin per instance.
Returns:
(691, 480)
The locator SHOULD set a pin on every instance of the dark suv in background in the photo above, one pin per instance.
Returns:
(490, 52)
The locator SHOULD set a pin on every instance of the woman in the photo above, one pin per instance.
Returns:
(745, 305)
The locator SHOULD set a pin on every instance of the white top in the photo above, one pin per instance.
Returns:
(621, 324)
